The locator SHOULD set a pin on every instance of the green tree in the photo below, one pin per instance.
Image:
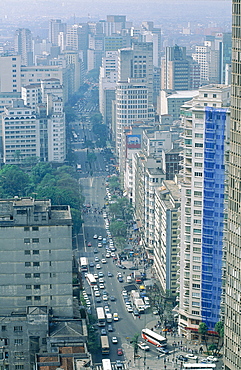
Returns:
(70, 115)
(14, 181)
(219, 328)
(203, 329)
(118, 228)
(39, 171)
(96, 119)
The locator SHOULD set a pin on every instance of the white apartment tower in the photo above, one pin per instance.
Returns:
(205, 142)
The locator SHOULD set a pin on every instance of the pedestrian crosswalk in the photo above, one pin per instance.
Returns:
(113, 367)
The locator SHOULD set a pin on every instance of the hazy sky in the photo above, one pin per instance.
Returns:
(134, 9)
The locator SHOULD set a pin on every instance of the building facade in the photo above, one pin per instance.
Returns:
(232, 327)
(205, 142)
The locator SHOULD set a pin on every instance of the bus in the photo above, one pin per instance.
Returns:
(100, 316)
(105, 347)
(106, 364)
(91, 280)
(154, 338)
(83, 264)
(199, 366)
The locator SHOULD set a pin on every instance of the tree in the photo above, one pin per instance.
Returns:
(203, 329)
(219, 328)
(14, 181)
(118, 228)
(96, 119)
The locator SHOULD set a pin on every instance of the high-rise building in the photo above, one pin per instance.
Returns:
(55, 27)
(232, 328)
(23, 46)
(179, 72)
(36, 256)
(10, 74)
(205, 143)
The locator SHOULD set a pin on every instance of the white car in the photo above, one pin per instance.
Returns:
(107, 255)
(95, 236)
(101, 280)
(212, 359)
(101, 286)
(143, 346)
(105, 298)
(129, 309)
(97, 259)
(103, 260)
(191, 356)
(100, 237)
(95, 288)
(96, 276)
(97, 294)
(114, 340)
(98, 266)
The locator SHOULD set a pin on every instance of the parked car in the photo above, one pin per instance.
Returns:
(212, 359)
(110, 328)
(114, 340)
(119, 352)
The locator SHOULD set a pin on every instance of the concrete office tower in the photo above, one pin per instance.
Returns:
(178, 70)
(107, 85)
(232, 332)
(134, 92)
(55, 27)
(19, 133)
(23, 46)
(167, 202)
(36, 256)
(10, 74)
(205, 144)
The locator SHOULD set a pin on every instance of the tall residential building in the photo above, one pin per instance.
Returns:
(23, 46)
(232, 327)
(36, 256)
(134, 92)
(205, 144)
(10, 74)
(55, 27)
(179, 72)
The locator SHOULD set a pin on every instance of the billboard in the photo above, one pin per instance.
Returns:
(133, 141)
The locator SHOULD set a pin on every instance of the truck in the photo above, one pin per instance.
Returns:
(135, 294)
(109, 317)
(139, 304)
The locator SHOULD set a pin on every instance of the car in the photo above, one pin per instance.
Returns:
(92, 264)
(95, 288)
(129, 309)
(98, 300)
(97, 294)
(107, 255)
(109, 274)
(103, 260)
(105, 292)
(212, 359)
(191, 356)
(115, 316)
(114, 340)
(95, 236)
(110, 327)
(119, 352)
(112, 254)
(99, 245)
(120, 279)
(86, 273)
(123, 291)
(100, 237)
(112, 298)
(105, 297)
(95, 251)
(136, 313)
(104, 241)
(101, 286)
(103, 332)
(163, 350)
(143, 346)
(118, 364)
(100, 274)
(107, 309)
(133, 268)
(96, 276)
(89, 244)
(97, 259)
(155, 312)
(101, 280)
(98, 266)
(182, 358)
(127, 303)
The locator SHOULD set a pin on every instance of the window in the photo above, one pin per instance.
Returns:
(18, 328)
(198, 145)
(19, 367)
(36, 264)
(198, 155)
(36, 286)
(197, 194)
(28, 286)
(27, 264)
(195, 312)
(198, 174)
(36, 275)
(35, 251)
(196, 286)
(196, 277)
(4, 328)
(49, 240)
(195, 295)
(35, 240)
(27, 276)
(18, 342)
(26, 240)
(196, 258)
(28, 298)
(199, 135)
(196, 304)
(26, 252)
(196, 240)
(37, 298)
(205, 95)
(35, 228)
(26, 228)
(214, 95)
(196, 267)
(197, 202)
(198, 164)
